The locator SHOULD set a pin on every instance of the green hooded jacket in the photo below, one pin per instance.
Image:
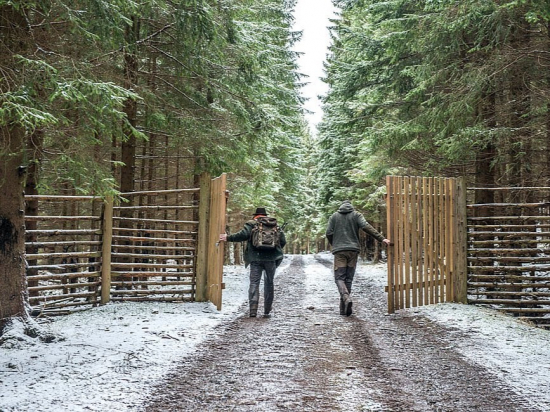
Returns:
(251, 254)
(343, 229)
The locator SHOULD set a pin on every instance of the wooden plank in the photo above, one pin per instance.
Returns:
(416, 291)
(505, 234)
(161, 192)
(419, 240)
(63, 198)
(390, 222)
(407, 241)
(216, 256)
(57, 218)
(425, 239)
(517, 285)
(442, 244)
(156, 248)
(506, 218)
(399, 246)
(518, 302)
(148, 274)
(400, 304)
(153, 240)
(450, 238)
(526, 268)
(509, 241)
(36, 256)
(431, 239)
(201, 262)
(161, 221)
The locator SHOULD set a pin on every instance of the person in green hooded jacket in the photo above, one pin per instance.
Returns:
(260, 261)
(343, 235)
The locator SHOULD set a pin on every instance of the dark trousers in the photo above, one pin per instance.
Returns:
(256, 270)
(345, 263)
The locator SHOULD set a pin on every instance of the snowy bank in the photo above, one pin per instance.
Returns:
(110, 356)
(516, 352)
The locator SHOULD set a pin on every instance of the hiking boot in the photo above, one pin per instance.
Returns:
(253, 314)
(253, 310)
(267, 315)
(347, 306)
(342, 307)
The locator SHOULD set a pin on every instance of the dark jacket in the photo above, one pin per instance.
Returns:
(343, 229)
(251, 254)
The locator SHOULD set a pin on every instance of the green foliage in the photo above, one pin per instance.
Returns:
(412, 83)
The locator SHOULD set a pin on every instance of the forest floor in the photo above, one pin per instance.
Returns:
(307, 357)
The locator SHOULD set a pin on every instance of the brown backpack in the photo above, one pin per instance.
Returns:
(265, 234)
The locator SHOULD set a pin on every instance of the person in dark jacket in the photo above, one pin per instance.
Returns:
(343, 235)
(260, 261)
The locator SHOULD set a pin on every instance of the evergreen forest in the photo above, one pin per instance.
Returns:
(105, 97)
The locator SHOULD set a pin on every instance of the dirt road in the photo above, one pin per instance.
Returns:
(309, 358)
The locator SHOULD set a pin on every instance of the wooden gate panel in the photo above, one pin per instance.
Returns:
(425, 224)
(218, 202)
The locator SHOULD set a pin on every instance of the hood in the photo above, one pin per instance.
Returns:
(345, 207)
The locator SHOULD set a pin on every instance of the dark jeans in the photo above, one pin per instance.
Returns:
(345, 263)
(256, 270)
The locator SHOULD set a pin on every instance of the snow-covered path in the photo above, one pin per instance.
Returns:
(112, 357)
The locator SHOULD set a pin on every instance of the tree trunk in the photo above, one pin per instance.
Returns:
(12, 216)
(128, 146)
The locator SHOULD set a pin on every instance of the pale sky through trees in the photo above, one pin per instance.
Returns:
(312, 17)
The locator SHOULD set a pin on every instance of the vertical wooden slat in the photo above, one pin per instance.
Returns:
(215, 247)
(419, 228)
(425, 258)
(449, 243)
(437, 241)
(390, 230)
(414, 241)
(399, 242)
(442, 238)
(201, 260)
(430, 240)
(107, 232)
(407, 240)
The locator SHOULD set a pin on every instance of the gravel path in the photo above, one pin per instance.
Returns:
(309, 358)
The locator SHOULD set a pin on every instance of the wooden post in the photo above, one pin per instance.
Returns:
(106, 250)
(201, 264)
(461, 266)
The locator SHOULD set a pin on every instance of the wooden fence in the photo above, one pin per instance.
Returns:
(152, 246)
(64, 252)
(509, 253)
(427, 225)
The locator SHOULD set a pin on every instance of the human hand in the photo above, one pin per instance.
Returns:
(387, 242)
(223, 237)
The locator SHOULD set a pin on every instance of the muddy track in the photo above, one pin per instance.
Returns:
(309, 358)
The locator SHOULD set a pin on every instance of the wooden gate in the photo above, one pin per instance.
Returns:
(427, 226)
(216, 221)
(157, 246)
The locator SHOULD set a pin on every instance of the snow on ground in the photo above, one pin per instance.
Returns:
(516, 352)
(112, 356)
